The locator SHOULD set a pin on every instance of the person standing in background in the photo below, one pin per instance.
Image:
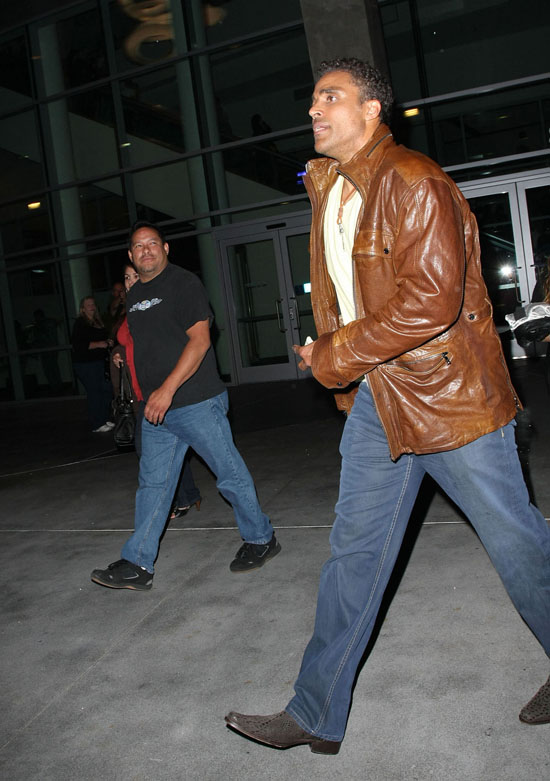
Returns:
(91, 344)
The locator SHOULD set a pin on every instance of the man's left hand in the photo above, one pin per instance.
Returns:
(158, 405)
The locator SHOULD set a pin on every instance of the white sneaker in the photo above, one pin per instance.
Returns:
(109, 424)
(102, 429)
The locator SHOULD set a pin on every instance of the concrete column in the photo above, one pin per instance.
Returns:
(344, 28)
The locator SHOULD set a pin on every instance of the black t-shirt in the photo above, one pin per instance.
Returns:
(159, 314)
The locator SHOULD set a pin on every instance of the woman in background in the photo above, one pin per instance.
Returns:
(91, 345)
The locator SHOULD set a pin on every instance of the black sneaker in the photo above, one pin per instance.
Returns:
(250, 556)
(123, 574)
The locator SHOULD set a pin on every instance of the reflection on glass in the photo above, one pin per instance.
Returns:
(15, 80)
(298, 254)
(257, 303)
(498, 255)
(143, 32)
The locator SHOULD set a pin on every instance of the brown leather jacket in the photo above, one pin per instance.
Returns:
(424, 333)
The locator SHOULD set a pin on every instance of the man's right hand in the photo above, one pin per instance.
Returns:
(305, 354)
(158, 405)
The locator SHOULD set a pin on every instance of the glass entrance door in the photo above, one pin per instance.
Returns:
(266, 279)
(514, 232)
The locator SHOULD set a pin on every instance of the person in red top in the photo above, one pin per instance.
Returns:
(187, 493)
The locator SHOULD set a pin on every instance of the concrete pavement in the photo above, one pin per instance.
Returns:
(98, 683)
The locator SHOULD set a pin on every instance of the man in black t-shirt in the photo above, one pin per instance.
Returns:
(186, 406)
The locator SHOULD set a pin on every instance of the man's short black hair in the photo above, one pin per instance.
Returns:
(372, 83)
(144, 224)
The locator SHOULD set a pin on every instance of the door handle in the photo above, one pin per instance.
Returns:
(297, 313)
(277, 302)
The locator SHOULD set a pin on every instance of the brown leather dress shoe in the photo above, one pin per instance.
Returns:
(280, 731)
(537, 710)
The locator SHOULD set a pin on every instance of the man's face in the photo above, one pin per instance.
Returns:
(148, 254)
(341, 123)
(118, 290)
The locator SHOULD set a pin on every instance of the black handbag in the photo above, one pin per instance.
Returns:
(530, 323)
(123, 413)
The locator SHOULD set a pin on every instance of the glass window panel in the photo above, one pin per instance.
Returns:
(222, 21)
(401, 50)
(83, 132)
(167, 190)
(246, 175)
(185, 251)
(15, 78)
(20, 156)
(103, 207)
(467, 45)
(480, 127)
(264, 171)
(152, 117)
(272, 211)
(464, 45)
(143, 33)
(24, 228)
(262, 86)
(81, 48)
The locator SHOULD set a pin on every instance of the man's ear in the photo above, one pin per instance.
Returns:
(373, 109)
(166, 247)
(130, 256)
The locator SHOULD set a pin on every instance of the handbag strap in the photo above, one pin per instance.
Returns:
(124, 389)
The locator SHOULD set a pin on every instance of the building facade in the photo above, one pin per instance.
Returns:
(193, 114)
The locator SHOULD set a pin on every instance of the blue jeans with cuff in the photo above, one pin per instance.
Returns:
(205, 428)
(483, 478)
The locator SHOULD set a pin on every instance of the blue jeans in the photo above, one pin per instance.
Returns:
(376, 497)
(99, 391)
(187, 492)
(205, 428)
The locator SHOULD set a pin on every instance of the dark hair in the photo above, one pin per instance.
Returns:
(144, 224)
(372, 84)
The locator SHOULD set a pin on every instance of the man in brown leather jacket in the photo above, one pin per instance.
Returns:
(406, 332)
